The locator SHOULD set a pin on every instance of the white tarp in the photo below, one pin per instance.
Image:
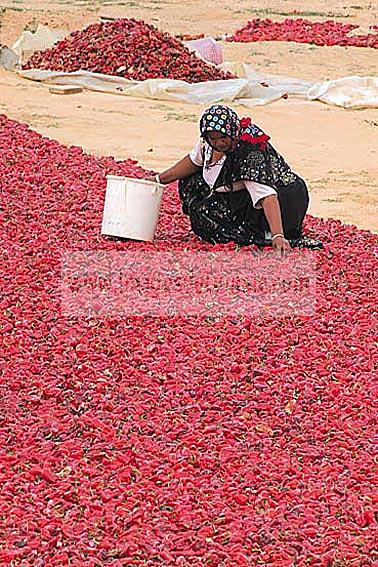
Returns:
(241, 90)
(41, 39)
(8, 58)
(348, 92)
(251, 88)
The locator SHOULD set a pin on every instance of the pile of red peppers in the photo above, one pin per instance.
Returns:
(300, 30)
(127, 48)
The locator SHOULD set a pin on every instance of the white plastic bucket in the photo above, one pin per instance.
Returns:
(131, 207)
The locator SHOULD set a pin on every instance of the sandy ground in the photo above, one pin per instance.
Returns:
(335, 150)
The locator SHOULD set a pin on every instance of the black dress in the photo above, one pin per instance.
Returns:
(225, 217)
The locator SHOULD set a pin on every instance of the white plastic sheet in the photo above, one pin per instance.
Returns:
(41, 39)
(8, 58)
(348, 92)
(289, 85)
(251, 88)
(241, 90)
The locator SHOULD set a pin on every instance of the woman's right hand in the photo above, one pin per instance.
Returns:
(151, 178)
(180, 170)
(281, 245)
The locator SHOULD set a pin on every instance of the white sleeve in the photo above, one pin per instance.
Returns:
(258, 191)
(196, 154)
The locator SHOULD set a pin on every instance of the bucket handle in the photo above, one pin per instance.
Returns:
(158, 183)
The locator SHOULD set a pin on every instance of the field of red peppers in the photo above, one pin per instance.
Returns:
(126, 48)
(177, 441)
(301, 30)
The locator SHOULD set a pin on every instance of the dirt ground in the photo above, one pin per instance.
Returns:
(334, 149)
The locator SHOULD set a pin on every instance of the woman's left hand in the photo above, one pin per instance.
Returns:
(281, 245)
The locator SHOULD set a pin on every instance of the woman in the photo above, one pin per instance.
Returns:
(236, 187)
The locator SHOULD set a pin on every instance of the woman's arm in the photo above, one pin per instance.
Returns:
(271, 207)
(179, 170)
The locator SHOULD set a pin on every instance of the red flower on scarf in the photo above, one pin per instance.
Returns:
(261, 140)
(245, 122)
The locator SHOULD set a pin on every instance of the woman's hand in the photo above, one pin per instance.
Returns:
(272, 212)
(151, 178)
(281, 245)
(183, 168)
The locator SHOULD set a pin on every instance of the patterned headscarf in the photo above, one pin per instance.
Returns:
(219, 118)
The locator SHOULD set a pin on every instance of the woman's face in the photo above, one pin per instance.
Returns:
(220, 142)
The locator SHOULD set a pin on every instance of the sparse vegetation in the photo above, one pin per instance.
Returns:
(287, 13)
(181, 117)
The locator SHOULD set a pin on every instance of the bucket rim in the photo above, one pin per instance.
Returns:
(133, 179)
